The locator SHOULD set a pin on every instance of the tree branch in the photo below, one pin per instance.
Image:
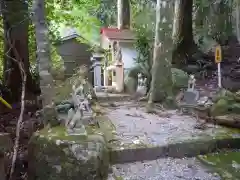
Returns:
(18, 60)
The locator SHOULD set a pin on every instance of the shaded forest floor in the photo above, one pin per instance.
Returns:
(8, 123)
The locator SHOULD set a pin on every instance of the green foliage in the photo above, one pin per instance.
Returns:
(79, 14)
(87, 16)
(107, 12)
(213, 19)
(144, 58)
(75, 13)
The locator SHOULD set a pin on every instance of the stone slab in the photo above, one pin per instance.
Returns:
(190, 97)
(138, 135)
(104, 96)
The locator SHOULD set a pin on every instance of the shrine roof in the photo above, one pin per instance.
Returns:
(118, 34)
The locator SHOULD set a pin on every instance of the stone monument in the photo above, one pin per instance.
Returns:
(190, 96)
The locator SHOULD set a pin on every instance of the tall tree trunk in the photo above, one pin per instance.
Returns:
(223, 21)
(161, 84)
(237, 20)
(123, 14)
(184, 45)
(44, 66)
(16, 46)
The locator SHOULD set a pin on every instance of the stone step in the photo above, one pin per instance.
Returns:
(109, 97)
(178, 150)
(133, 135)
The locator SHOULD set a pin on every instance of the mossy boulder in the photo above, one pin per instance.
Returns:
(54, 155)
(224, 94)
(130, 84)
(225, 102)
(220, 107)
(131, 79)
(179, 78)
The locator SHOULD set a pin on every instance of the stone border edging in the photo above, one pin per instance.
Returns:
(175, 150)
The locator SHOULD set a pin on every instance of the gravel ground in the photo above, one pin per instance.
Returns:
(134, 125)
(162, 169)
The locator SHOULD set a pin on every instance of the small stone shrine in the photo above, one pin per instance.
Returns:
(119, 45)
(191, 96)
(116, 69)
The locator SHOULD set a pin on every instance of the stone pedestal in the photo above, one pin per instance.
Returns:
(105, 75)
(119, 77)
(54, 155)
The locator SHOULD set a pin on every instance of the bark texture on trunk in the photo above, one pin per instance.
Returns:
(237, 21)
(183, 40)
(15, 45)
(123, 14)
(222, 20)
(161, 84)
(44, 66)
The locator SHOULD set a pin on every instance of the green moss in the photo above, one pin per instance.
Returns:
(59, 133)
(118, 177)
(179, 78)
(226, 102)
(74, 157)
(227, 164)
(220, 107)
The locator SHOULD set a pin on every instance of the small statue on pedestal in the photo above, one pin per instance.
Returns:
(191, 83)
(75, 118)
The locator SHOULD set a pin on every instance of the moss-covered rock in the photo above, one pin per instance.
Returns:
(226, 164)
(131, 79)
(224, 94)
(225, 102)
(179, 78)
(54, 155)
(130, 84)
(220, 107)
